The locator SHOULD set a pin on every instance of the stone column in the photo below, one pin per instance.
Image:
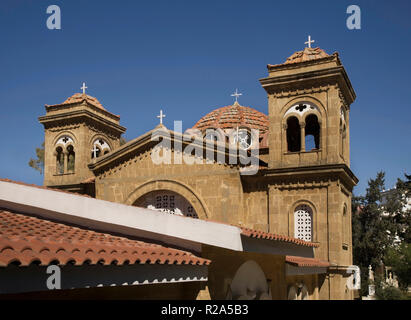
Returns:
(302, 130)
(65, 155)
(284, 139)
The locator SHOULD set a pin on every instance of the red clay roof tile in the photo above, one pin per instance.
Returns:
(306, 262)
(232, 117)
(79, 98)
(25, 239)
(271, 236)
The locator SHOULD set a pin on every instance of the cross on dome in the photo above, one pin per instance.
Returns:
(161, 116)
(309, 41)
(84, 88)
(236, 94)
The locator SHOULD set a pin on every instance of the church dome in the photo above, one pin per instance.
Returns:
(230, 117)
(306, 55)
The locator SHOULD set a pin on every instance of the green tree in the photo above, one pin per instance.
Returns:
(399, 259)
(371, 229)
(397, 206)
(386, 292)
(38, 164)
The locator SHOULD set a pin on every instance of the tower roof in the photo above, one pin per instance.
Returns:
(232, 117)
(306, 55)
(79, 97)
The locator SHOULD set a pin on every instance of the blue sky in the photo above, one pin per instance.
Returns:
(187, 57)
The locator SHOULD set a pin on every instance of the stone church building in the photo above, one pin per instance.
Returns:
(293, 211)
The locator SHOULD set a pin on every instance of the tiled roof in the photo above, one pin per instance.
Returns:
(306, 55)
(271, 236)
(306, 262)
(232, 117)
(25, 239)
(79, 97)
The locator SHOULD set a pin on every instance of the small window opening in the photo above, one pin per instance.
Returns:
(59, 160)
(312, 133)
(293, 135)
(71, 159)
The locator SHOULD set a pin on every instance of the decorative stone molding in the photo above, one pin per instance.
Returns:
(64, 128)
(298, 92)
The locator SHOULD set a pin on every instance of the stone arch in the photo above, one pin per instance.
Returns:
(100, 136)
(63, 151)
(319, 110)
(250, 283)
(92, 143)
(304, 99)
(314, 218)
(62, 134)
(171, 185)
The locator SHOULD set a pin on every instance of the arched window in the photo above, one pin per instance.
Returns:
(293, 135)
(242, 137)
(168, 202)
(65, 155)
(71, 158)
(312, 133)
(59, 160)
(303, 222)
(100, 147)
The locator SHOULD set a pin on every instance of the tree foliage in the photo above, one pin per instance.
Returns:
(381, 220)
(38, 164)
(372, 231)
(399, 259)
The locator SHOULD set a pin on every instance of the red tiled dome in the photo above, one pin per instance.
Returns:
(232, 117)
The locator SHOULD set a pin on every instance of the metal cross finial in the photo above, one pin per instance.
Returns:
(161, 116)
(236, 95)
(309, 41)
(84, 88)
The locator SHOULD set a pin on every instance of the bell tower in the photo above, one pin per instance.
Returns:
(77, 132)
(309, 98)
(309, 178)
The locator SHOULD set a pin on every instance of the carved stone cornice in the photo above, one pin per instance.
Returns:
(299, 92)
(316, 175)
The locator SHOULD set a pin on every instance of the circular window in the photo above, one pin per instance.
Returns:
(243, 138)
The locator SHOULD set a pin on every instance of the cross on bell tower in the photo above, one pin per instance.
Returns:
(309, 41)
(161, 116)
(84, 88)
